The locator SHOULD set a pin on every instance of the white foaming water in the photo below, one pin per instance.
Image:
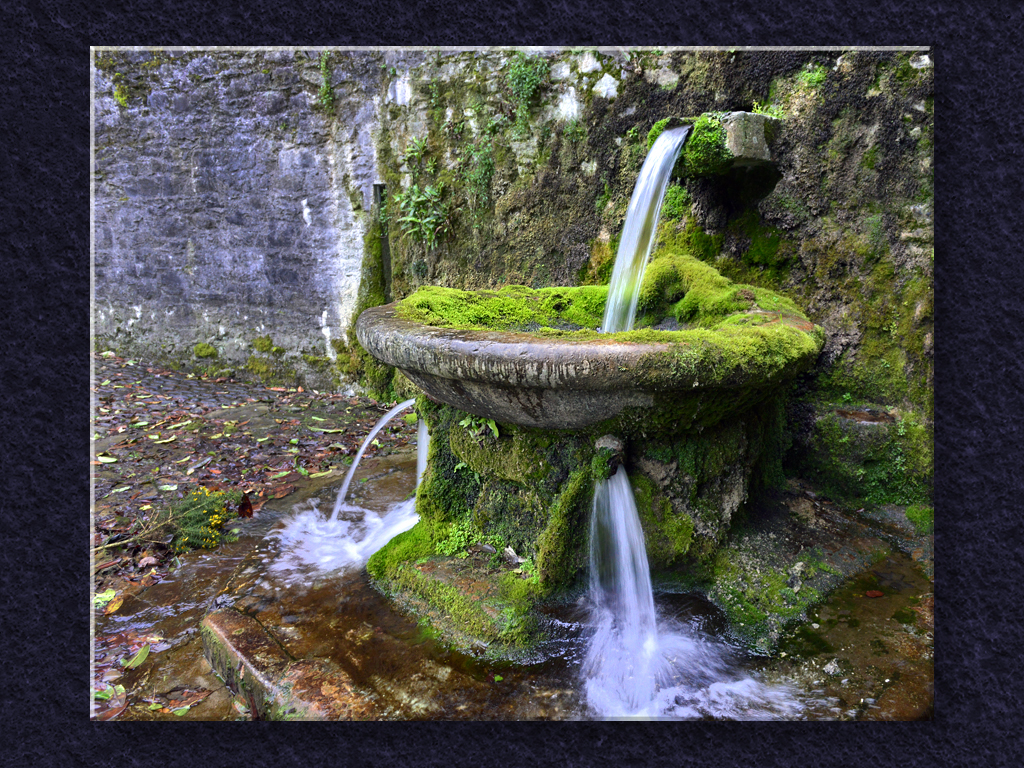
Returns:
(639, 667)
(352, 534)
(636, 666)
(639, 229)
(310, 543)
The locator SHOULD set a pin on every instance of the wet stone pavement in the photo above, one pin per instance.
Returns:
(331, 646)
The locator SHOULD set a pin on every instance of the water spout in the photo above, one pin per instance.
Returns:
(362, 449)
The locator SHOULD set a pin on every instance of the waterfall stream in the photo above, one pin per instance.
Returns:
(636, 666)
(352, 533)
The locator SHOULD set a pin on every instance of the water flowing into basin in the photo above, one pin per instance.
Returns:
(633, 667)
(639, 230)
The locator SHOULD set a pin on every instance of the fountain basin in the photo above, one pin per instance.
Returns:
(694, 378)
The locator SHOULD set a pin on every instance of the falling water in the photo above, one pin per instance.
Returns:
(422, 447)
(362, 449)
(636, 666)
(639, 229)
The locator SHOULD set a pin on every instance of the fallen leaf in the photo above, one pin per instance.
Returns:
(148, 561)
(138, 658)
(113, 605)
(874, 593)
(326, 431)
(168, 487)
(102, 598)
(106, 459)
(281, 491)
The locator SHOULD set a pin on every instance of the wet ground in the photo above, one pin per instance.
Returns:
(865, 654)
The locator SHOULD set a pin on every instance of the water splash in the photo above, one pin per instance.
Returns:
(639, 229)
(351, 534)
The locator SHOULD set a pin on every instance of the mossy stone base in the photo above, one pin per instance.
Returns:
(532, 490)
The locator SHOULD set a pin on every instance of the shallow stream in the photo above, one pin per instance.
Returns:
(856, 658)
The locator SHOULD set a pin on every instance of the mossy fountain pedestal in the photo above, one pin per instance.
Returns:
(518, 392)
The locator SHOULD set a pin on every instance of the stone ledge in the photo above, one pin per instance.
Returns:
(277, 687)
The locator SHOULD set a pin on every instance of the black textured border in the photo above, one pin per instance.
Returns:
(44, 507)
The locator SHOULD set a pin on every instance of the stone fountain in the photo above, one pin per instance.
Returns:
(529, 406)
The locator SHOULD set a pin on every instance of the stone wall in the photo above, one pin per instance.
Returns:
(229, 207)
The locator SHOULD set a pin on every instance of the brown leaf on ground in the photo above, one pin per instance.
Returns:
(874, 593)
(185, 698)
(281, 491)
(114, 711)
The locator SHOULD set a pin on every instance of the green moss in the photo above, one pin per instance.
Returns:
(870, 158)
(656, 130)
(873, 464)
(705, 152)
(667, 534)
(560, 545)
(598, 269)
(121, 95)
(510, 308)
(203, 350)
(676, 204)
(263, 344)
(354, 362)
(512, 456)
(408, 546)
(922, 517)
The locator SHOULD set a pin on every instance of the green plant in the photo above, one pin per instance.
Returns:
(415, 151)
(524, 76)
(812, 76)
(574, 131)
(198, 520)
(479, 172)
(477, 425)
(771, 110)
(460, 534)
(424, 214)
(325, 97)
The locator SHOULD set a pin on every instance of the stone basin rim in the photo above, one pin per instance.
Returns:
(514, 358)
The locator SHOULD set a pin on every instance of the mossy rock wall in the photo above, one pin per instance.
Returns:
(532, 490)
(841, 224)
